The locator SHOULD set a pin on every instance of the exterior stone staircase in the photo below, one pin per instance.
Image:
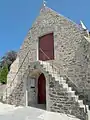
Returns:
(62, 97)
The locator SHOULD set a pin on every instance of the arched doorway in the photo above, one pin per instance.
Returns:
(41, 89)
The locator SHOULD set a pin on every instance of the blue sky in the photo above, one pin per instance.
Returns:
(17, 16)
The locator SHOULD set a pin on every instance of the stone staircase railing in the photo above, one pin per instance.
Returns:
(58, 78)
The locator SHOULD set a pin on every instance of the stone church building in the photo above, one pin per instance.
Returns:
(52, 69)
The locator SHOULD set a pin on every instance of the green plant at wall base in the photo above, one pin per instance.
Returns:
(3, 74)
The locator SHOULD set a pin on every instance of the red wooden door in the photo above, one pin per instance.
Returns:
(46, 47)
(42, 89)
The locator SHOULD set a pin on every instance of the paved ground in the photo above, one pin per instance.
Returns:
(8, 112)
(40, 106)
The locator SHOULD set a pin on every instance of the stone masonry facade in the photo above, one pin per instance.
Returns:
(71, 50)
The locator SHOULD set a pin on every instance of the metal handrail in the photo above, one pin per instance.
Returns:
(21, 79)
(6, 89)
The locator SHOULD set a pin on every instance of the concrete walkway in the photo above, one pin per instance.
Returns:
(8, 112)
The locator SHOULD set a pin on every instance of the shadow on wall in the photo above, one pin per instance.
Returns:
(36, 87)
(2, 88)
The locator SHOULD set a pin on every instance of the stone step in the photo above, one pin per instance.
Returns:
(54, 74)
(71, 93)
(58, 77)
(62, 81)
(57, 83)
(48, 69)
(46, 65)
(76, 98)
(69, 88)
(80, 102)
(64, 85)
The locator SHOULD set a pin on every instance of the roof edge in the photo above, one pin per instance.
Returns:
(44, 8)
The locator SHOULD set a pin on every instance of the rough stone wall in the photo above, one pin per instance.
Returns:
(2, 87)
(70, 48)
(11, 83)
(14, 92)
